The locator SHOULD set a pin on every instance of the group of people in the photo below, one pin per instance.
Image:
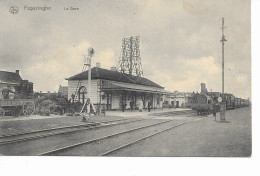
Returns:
(139, 105)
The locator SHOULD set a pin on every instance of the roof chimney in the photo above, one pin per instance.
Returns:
(113, 68)
(98, 64)
(17, 71)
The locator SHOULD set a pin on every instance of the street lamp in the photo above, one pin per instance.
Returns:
(90, 55)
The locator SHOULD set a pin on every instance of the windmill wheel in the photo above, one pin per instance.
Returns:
(28, 108)
(2, 112)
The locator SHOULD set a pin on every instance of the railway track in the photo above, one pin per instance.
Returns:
(10, 138)
(141, 139)
(20, 137)
(63, 127)
(173, 113)
(61, 150)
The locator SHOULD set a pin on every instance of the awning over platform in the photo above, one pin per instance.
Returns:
(111, 85)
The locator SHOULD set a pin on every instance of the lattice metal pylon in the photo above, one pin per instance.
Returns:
(130, 60)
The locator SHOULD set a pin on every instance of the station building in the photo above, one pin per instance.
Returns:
(114, 89)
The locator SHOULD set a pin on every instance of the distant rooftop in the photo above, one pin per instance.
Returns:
(63, 89)
(10, 77)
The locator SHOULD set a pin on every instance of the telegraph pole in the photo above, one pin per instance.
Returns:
(223, 105)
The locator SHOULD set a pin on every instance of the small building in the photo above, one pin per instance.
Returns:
(177, 99)
(180, 99)
(10, 80)
(115, 90)
(168, 101)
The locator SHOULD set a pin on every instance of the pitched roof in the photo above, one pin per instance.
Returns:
(10, 77)
(100, 73)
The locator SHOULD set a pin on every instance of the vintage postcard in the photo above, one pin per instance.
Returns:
(125, 78)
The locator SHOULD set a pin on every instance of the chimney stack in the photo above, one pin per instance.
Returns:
(98, 64)
(17, 71)
(203, 88)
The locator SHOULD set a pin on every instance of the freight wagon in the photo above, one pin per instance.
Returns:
(17, 107)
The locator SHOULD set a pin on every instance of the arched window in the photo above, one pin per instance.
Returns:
(82, 94)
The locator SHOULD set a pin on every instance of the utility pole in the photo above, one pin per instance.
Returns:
(223, 105)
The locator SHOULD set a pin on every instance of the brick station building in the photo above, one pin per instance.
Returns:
(110, 88)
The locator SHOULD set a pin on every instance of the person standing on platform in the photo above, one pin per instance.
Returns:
(73, 98)
(131, 105)
(161, 104)
(123, 104)
(149, 106)
(140, 107)
(215, 109)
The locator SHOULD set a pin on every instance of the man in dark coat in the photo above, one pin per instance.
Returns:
(123, 105)
(5, 92)
(215, 109)
(149, 105)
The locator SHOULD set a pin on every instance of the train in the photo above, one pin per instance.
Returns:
(203, 103)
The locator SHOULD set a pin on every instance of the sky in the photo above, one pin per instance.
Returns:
(180, 40)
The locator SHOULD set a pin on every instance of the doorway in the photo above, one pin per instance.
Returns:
(177, 104)
(82, 94)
